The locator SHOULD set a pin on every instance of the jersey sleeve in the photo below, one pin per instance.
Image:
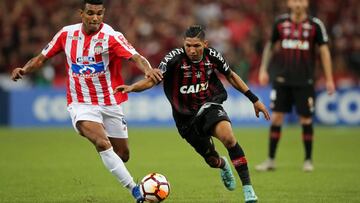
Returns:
(170, 59)
(121, 47)
(321, 34)
(56, 45)
(164, 64)
(221, 65)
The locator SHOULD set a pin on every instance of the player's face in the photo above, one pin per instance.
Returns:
(92, 16)
(298, 6)
(194, 48)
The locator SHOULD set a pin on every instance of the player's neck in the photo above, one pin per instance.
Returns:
(297, 18)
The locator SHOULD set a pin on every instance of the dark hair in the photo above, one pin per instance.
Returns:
(92, 2)
(195, 31)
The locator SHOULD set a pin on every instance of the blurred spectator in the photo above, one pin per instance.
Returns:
(237, 28)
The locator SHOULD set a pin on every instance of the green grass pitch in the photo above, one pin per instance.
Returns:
(57, 165)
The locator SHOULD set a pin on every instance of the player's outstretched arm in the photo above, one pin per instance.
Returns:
(240, 85)
(265, 60)
(32, 65)
(139, 86)
(326, 62)
(144, 65)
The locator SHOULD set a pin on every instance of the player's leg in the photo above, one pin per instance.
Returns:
(96, 134)
(87, 121)
(305, 107)
(204, 126)
(307, 136)
(121, 147)
(281, 102)
(277, 119)
(223, 132)
(116, 128)
(204, 146)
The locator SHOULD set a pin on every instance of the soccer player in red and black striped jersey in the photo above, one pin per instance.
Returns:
(297, 34)
(196, 94)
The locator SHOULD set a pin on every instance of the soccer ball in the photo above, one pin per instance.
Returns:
(154, 187)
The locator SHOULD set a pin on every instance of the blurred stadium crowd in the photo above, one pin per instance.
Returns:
(238, 28)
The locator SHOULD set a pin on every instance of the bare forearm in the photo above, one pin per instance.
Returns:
(141, 62)
(237, 82)
(142, 85)
(266, 57)
(34, 64)
(326, 62)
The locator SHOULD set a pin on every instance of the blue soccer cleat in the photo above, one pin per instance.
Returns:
(227, 176)
(249, 193)
(137, 194)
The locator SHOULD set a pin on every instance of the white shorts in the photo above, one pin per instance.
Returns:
(112, 118)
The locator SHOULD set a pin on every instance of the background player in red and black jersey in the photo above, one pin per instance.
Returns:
(196, 94)
(297, 34)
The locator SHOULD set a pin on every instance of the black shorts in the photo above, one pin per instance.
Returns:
(198, 131)
(284, 97)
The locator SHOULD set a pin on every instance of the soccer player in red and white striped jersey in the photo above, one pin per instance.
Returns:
(93, 52)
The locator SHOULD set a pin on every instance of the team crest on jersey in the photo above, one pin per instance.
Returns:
(296, 33)
(198, 74)
(98, 49)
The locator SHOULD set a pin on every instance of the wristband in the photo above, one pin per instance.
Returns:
(251, 96)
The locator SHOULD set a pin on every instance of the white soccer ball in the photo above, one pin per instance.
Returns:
(155, 187)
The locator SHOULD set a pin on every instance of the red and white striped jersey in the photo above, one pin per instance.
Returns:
(93, 63)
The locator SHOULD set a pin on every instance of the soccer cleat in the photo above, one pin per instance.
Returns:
(137, 194)
(267, 165)
(308, 166)
(227, 176)
(249, 193)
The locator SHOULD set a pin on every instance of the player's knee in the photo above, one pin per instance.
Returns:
(102, 144)
(229, 141)
(305, 120)
(277, 118)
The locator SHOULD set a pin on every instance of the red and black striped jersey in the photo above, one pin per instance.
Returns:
(294, 64)
(188, 85)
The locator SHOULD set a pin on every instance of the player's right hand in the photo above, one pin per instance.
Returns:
(17, 74)
(154, 74)
(263, 77)
(123, 89)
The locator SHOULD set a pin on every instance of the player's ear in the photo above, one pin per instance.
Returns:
(206, 43)
(81, 12)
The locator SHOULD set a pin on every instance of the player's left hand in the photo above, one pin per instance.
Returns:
(330, 87)
(154, 74)
(123, 89)
(260, 107)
